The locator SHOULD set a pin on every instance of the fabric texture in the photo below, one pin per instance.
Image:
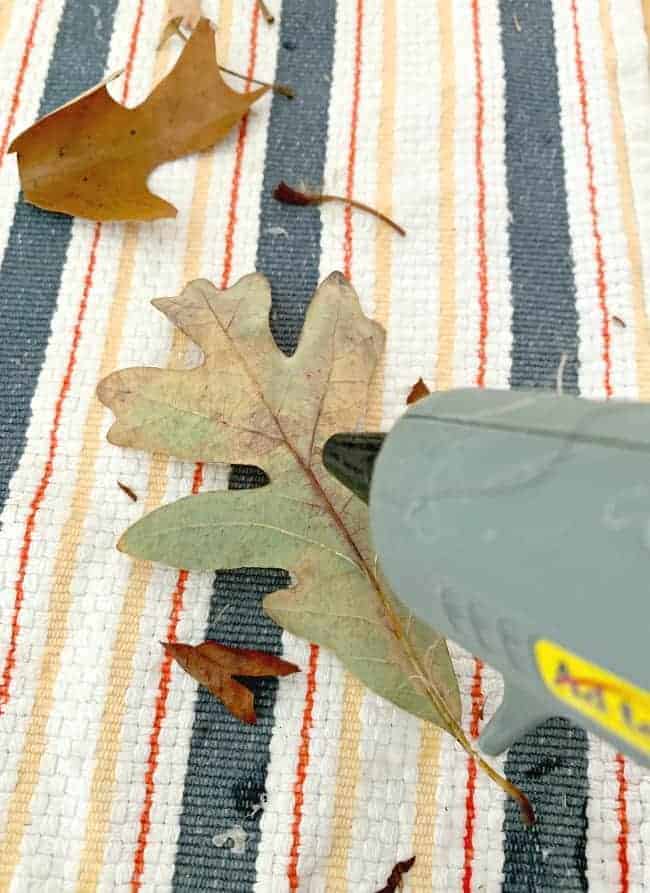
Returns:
(512, 139)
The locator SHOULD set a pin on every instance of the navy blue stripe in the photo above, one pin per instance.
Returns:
(38, 240)
(228, 761)
(550, 765)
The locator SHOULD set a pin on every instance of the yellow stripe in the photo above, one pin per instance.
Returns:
(384, 236)
(347, 782)
(641, 329)
(447, 225)
(349, 763)
(6, 8)
(426, 810)
(646, 16)
(121, 672)
(421, 877)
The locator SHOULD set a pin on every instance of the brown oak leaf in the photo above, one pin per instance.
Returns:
(214, 666)
(92, 157)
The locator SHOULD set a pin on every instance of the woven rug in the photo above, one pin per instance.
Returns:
(512, 139)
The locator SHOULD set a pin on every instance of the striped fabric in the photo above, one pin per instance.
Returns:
(512, 139)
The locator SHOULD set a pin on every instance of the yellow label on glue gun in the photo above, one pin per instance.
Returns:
(612, 702)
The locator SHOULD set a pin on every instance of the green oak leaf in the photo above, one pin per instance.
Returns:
(250, 403)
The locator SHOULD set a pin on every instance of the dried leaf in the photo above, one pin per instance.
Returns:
(250, 403)
(417, 392)
(188, 11)
(92, 157)
(396, 878)
(214, 665)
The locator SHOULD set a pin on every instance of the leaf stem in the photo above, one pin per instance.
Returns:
(282, 89)
(440, 705)
(288, 195)
(174, 27)
(266, 12)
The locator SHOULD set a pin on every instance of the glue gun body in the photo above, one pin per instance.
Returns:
(518, 525)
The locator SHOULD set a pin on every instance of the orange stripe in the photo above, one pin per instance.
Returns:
(41, 490)
(477, 693)
(352, 150)
(301, 770)
(480, 178)
(470, 808)
(621, 811)
(20, 80)
(181, 582)
(593, 208)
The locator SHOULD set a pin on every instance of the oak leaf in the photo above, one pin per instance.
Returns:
(91, 158)
(249, 403)
(215, 666)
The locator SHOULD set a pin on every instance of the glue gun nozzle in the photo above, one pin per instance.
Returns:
(350, 458)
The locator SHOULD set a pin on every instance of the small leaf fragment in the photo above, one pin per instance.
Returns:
(92, 157)
(417, 392)
(214, 665)
(129, 492)
(396, 878)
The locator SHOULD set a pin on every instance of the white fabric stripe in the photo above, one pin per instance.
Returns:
(603, 872)
(413, 322)
(487, 863)
(35, 76)
(277, 819)
(276, 838)
(448, 851)
(638, 816)
(592, 369)
(386, 799)
(489, 802)
(605, 825)
(603, 869)
(466, 203)
(55, 506)
(634, 92)
(499, 341)
(175, 736)
(610, 216)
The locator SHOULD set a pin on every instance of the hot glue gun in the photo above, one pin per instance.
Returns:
(517, 523)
